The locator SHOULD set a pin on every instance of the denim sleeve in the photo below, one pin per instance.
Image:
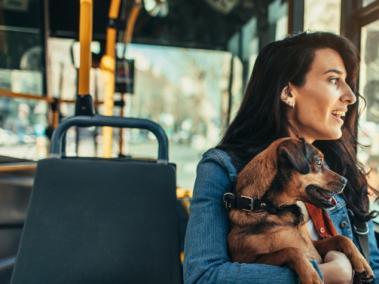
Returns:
(374, 254)
(206, 253)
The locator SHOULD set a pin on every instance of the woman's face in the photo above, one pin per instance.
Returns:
(322, 102)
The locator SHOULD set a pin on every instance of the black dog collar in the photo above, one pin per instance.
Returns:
(249, 204)
(244, 203)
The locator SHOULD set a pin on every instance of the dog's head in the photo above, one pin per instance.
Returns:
(305, 176)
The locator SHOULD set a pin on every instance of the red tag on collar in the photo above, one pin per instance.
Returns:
(321, 221)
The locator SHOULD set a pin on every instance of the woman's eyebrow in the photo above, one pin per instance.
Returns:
(334, 71)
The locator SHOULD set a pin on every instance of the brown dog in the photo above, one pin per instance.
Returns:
(268, 227)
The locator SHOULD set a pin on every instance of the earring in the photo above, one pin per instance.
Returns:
(284, 94)
(285, 97)
(290, 103)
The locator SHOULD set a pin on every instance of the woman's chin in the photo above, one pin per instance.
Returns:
(333, 135)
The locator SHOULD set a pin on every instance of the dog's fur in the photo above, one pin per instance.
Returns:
(280, 176)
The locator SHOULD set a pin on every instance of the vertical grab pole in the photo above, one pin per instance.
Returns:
(84, 104)
(108, 66)
(129, 28)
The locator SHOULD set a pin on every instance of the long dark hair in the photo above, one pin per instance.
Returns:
(262, 116)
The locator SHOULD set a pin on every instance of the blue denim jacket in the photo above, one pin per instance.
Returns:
(206, 253)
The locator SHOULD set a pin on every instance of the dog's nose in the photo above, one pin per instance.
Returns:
(343, 181)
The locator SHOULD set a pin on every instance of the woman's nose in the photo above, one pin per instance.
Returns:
(348, 95)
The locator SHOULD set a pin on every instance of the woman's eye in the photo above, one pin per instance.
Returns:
(334, 81)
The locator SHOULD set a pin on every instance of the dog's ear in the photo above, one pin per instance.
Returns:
(294, 153)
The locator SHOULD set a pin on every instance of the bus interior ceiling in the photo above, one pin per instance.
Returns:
(184, 23)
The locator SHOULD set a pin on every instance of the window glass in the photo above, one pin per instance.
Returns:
(368, 130)
(322, 15)
(367, 2)
(278, 18)
(22, 122)
(184, 90)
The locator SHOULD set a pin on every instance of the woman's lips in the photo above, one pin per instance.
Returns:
(338, 118)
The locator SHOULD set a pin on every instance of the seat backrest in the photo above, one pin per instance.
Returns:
(14, 196)
(100, 221)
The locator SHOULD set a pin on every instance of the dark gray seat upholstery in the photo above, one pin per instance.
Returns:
(100, 221)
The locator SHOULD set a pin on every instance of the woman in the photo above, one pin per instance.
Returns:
(302, 86)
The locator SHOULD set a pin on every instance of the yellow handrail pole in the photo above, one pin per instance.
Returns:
(132, 20)
(28, 96)
(85, 37)
(130, 23)
(16, 167)
(108, 67)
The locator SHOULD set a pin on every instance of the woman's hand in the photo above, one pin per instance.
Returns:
(336, 268)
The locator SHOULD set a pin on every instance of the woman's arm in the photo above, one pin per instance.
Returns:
(206, 254)
(374, 254)
(336, 268)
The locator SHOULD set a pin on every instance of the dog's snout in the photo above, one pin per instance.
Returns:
(335, 178)
(341, 184)
(343, 181)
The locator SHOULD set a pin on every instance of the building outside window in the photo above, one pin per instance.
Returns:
(22, 122)
(369, 87)
(322, 15)
(181, 89)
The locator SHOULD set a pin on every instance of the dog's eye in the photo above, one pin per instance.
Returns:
(318, 162)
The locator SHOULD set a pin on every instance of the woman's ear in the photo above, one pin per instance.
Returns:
(287, 96)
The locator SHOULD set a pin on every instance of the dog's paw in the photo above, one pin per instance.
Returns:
(359, 263)
(364, 278)
(363, 270)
